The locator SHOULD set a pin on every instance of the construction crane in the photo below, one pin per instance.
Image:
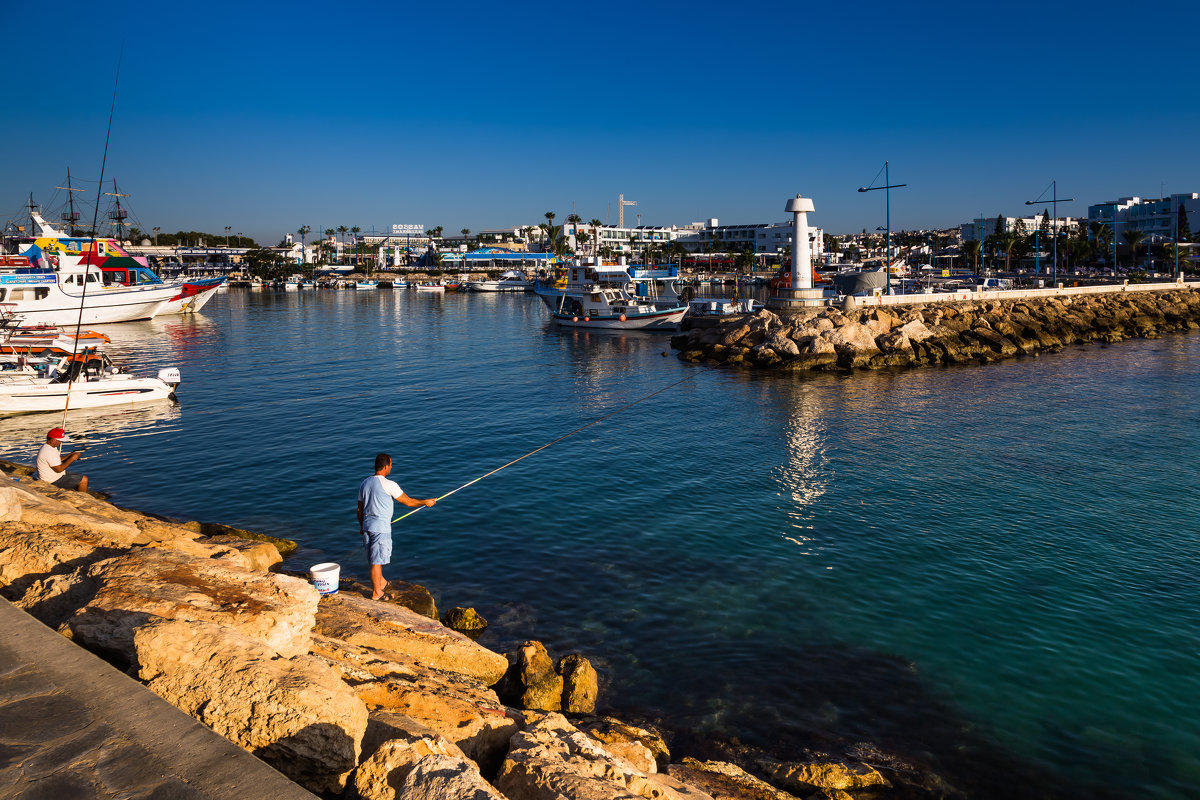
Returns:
(621, 203)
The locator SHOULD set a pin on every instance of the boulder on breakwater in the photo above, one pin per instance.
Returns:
(978, 331)
(345, 696)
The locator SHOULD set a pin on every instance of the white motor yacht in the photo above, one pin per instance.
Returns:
(510, 281)
(89, 378)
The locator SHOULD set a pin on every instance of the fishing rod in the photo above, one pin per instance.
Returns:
(92, 243)
(550, 444)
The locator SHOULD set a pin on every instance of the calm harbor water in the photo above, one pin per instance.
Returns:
(991, 570)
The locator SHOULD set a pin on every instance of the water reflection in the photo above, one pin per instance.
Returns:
(99, 428)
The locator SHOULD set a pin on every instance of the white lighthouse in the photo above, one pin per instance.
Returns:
(801, 291)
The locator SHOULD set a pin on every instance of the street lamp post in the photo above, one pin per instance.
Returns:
(887, 190)
(156, 230)
(1054, 202)
(228, 228)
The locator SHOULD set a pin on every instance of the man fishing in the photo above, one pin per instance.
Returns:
(52, 467)
(375, 504)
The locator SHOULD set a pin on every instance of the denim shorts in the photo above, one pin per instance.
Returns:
(378, 546)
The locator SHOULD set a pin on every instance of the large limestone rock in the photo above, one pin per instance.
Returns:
(532, 681)
(581, 685)
(277, 610)
(383, 626)
(459, 708)
(261, 556)
(854, 343)
(550, 759)
(829, 776)
(387, 726)
(725, 781)
(466, 621)
(632, 743)
(382, 772)
(444, 778)
(40, 504)
(294, 713)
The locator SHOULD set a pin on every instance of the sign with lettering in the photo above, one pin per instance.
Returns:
(408, 230)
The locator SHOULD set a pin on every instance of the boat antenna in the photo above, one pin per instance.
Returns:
(556, 441)
(92, 241)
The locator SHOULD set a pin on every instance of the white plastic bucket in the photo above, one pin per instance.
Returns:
(325, 577)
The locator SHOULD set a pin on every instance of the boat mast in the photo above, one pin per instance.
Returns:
(118, 216)
(71, 219)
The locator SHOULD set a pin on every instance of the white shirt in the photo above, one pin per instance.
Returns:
(48, 458)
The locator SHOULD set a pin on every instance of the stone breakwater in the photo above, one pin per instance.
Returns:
(976, 331)
(351, 698)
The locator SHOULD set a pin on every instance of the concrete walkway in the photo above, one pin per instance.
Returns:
(72, 726)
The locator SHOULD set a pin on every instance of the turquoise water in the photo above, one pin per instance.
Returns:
(990, 570)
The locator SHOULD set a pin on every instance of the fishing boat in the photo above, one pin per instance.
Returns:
(366, 285)
(431, 287)
(90, 379)
(47, 338)
(613, 309)
(656, 286)
(511, 281)
(400, 284)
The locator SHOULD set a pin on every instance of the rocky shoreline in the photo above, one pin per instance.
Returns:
(351, 698)
(827, 339)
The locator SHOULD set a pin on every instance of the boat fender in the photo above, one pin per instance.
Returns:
(622, 318)
(574, 319)
(587, 319)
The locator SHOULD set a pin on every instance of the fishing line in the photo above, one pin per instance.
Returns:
(556, 441)
(92, 243)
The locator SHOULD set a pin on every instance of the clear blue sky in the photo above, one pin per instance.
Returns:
(484, 115)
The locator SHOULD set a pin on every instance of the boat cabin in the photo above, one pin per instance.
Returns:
(129, 276)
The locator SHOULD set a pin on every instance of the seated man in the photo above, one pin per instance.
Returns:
(52, 468)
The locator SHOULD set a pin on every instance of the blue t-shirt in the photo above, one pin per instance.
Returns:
(376, 494)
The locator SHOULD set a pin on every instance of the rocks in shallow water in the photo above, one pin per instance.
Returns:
(551, 759)
(725, 781)
(827, 776)
(466, 621)
(614, 731)
(580, 684)
(959, 332)
(533, 674)
(294, 713)
(358, 620)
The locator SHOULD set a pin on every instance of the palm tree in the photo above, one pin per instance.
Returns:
(971, 249)
(342, 229)
(1133, 238)
(303, 231)
(1008, 241)
(595, 223)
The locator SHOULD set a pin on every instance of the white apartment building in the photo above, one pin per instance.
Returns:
(1156, 218)
(762, 238)
(983, 227)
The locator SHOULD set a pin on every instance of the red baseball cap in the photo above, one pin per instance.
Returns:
(57, 433)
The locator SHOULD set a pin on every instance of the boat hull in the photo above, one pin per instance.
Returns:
(38, 394)
(192, 297)
(660, 320)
